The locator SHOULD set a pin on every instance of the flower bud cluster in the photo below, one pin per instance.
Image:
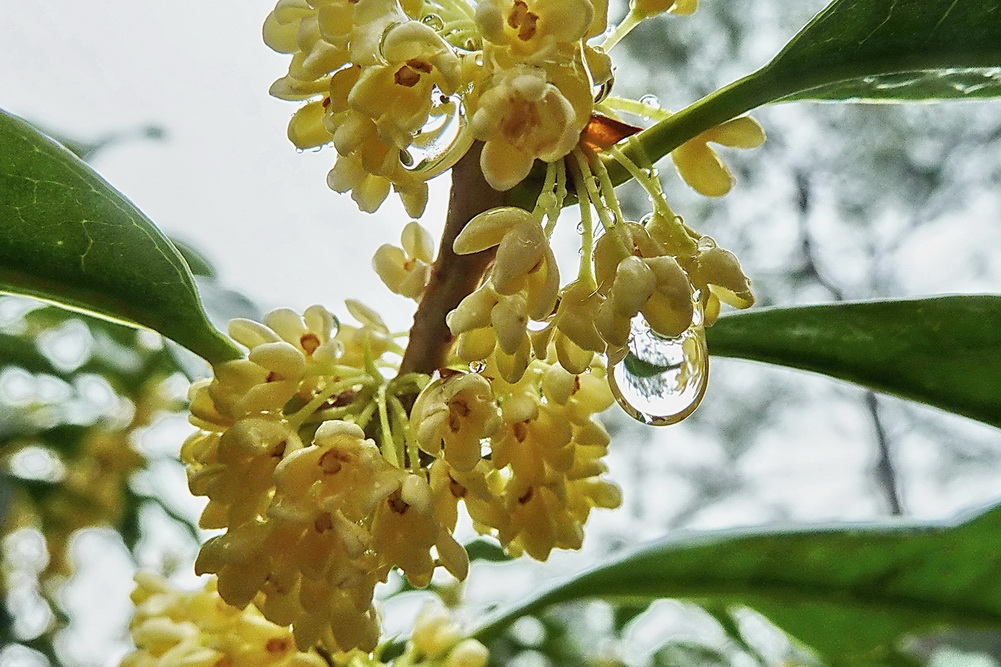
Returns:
(523, 286)
(661, 270)
(315, 512)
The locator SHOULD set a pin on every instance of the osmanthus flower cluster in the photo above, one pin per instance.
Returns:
(327, 457)
(530, 79)
(324, 481)
(199, 629)
(401, 88)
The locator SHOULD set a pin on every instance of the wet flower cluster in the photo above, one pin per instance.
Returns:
(325, 466)
(324, 482)
(401, 88)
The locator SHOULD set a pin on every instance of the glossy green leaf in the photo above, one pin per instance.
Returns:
(68, 237)
(941, 351)
(875, 50)
(851, 592)
(858, 48)
(925, 86)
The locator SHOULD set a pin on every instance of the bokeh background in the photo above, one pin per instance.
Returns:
(843, 202)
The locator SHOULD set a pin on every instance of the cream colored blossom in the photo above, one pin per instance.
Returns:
(453, 415)
(406, 270)
(315, 35)
(396, 93)
(534, 27)
(521, 117)
(371, 339)
(699, 164)
(437, 638)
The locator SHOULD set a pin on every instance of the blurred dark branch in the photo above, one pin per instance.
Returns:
(885, 471)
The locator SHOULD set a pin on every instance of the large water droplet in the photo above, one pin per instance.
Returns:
(650, 101)
(660, 381)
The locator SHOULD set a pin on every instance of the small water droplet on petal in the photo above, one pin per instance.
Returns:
(477, 366)
(433, 21)
(660, 381)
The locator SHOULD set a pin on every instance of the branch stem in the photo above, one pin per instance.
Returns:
(453, 276)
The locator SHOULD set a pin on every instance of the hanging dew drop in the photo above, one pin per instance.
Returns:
(706, 243)
(660, 381)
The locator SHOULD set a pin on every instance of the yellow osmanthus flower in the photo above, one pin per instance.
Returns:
(396, 92)
(522, 117)
(523, 286)
(549, 454)
(198, 629)
(315, 512)
(453, 415)
(699, 164)
(374, 77)
(406, 270)
(542, 477)
(534, 28)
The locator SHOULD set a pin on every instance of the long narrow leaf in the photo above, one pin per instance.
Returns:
(942, 351)
(849, 591)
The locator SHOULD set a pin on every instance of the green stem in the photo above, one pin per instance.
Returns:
(725, 104)
(453, 276)
(657, 141)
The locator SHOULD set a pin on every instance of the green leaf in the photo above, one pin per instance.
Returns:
(849, 591)
(17, 351)
(486, 550)
(876, 50)
(68, 237)
(924, 86)
(197, 262)
(941, 351)
(848, 49)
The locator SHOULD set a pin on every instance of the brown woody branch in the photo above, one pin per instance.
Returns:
(453, 276)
